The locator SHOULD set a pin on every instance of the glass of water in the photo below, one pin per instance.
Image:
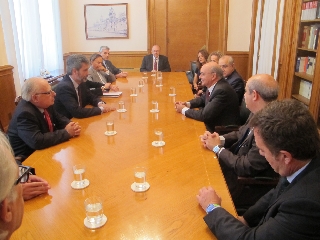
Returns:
(140, 177)
(159, 142)
(94, 210)
(110, 127)
(79, 175)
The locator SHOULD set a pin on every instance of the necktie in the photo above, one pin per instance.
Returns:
(242, 140)
(155, 65)
(48, 120)
(101, 78)
(283, 184)
(207, 96)
(104, 64)
(79, 96)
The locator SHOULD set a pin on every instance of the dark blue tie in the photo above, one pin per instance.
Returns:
(242, 140)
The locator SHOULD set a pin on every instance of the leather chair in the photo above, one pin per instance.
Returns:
(244, 114)
(190, 74)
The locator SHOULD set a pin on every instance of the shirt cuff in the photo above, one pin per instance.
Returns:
(183, 111)
(222, 140)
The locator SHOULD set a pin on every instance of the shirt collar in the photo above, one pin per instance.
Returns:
(293, 176)
(210, 89)
(76, 85)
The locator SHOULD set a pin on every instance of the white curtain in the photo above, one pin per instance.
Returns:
(34, 27)
(265, 41)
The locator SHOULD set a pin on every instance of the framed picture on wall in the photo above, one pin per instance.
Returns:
(106, 20)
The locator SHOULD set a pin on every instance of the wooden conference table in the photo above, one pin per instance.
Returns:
(168, 210)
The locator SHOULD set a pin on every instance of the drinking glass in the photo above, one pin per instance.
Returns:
(159, 134)
(94, 210)
(141, 83)
(172, 91)
(133, 92)
(140, 177)
(110, 127)
(79, 175)
(121, 107)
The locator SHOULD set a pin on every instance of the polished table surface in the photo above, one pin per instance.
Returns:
(168, 210)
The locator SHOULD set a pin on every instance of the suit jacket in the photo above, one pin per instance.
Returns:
(147, 64)
(66, 100)
(295, 214)
(28, 130)
(236, 81)
(94, 77)
(247, 162)
(222, 108)
(108, 65)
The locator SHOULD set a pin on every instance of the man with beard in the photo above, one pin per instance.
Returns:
(73, 94)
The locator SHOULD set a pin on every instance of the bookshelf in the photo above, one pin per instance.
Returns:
(300, 66)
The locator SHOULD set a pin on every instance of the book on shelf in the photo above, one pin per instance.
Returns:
(310, 36)
(305, 65)
(309, 10)
(305, 89)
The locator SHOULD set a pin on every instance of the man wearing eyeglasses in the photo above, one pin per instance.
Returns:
(11, 200)
(232, 76)
(35, 124)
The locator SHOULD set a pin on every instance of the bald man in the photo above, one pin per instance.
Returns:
(155, 62)
(237, 151)
(35, 124)
(219, 106)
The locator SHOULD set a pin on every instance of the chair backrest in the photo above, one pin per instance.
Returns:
(193, 67)
(244, 113)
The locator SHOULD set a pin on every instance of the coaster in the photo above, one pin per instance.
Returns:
(159, 85)
(93, 225)
(74, 185)
(135, 189)
(121, 110)
(133, 95)
(172, 94)
(110, 134)
(158, 143)
(154, 110)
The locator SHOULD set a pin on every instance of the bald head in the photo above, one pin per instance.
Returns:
(210, 73)
(266, 86)
(155, 51)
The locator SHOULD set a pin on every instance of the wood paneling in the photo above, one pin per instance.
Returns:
(241, 63)
(123, 60)
(7, 95)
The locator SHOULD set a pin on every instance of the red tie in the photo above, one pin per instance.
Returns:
(47, 117)
(155, 65)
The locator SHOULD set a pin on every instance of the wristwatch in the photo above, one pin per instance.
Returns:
(216, 149)
(211, 206)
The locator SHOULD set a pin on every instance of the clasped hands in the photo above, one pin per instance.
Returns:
(34, 187)
(210, 140)
(180, 105)
(73, 128)
(110, 86)
(106, 108)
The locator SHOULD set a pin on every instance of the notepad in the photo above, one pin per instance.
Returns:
(112, 94)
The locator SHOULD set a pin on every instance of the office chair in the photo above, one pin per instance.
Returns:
(190, 74)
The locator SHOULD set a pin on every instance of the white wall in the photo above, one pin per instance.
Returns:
(3, 55)
(239, 25)
(73, 27)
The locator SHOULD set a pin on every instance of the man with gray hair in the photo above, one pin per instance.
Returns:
(237, 151)
(105, 52)
(35, 124)
(219, 106)
(11, 201)
(73, 94)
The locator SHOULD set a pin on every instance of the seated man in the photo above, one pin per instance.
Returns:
(239, 155)
(99, 80)
(232, 76)
(104, 52)
(155, 62)
(35, 124)
(219, 106)
(11, 201)
(73, 94)
(287, 136)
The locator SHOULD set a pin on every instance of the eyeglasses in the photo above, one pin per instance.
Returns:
(24, 173)
(46, 93)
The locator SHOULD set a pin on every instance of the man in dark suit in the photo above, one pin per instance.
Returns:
(219, 106)
(287, 136)
(155, 62)
(237, 151)
(105, 52)
(232, 76)
(35, 124)
(73, 94)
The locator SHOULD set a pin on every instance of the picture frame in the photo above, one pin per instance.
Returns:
(106, 21)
